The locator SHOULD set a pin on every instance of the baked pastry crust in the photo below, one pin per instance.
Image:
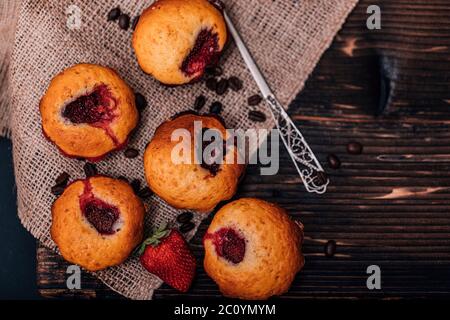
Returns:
(79, 241)
(167, 32)
(84, 140)
(272, 256)
(189, 185)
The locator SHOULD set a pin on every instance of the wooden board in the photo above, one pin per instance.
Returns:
(389, 206)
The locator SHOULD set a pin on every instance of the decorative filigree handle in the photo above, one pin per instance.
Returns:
(309, 168)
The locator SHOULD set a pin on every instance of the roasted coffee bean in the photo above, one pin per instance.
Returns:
(145, 193)
(185, 217)
(321, 178)
(114, 14)
(222, 87)
(90, 169)
(141, 102)
(333, 161)
(214, 71)
(200, 102)
(235, 83)
(58, 190)
(131, 153)
(123, 178)
(62, 179)
(186, 227)
(330, 248)
(211, 84)
(216, 107)
(124, 21)
(136, 185)
(134, 22)
(354, 147)
(254, 100)
(256, 116)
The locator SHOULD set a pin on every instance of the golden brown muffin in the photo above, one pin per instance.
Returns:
(97, 222)
(175, 40)
(190, 185)
(253, 249)
(88, 111)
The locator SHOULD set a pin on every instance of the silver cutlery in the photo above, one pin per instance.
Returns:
(306, 163)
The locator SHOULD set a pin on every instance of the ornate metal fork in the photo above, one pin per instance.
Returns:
(306, 163)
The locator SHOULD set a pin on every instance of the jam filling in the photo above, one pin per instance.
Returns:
(204, 53)
(229, 244)
(101, 215)
(95, 108)
(213, 165)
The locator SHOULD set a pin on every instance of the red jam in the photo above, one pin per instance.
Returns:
(204, 53)
(96, 108)
(101, 216)
(229, 244)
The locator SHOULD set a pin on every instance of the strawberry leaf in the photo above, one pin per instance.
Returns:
(155, 239)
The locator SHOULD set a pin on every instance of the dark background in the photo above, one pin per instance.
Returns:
(18, 247)
(388, 89)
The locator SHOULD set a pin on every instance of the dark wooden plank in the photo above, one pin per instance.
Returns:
(389, 206)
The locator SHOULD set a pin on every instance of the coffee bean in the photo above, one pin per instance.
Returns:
(214, 71)
(58, 190)
(124, 21)
(256, 116)
(321, 178)
(211, 84)
(235, 83)
(134, 22)
(330, 248)
(131, 153)
(216, 107)
(123, 178)
(186, 227)
(62, 179)
(254, 100)
(222, 87)
(136, 185)
(90, 169)
(200, 102)
(145, 193)
(354, 147)
(141, 102)
(114, 14)
(185, 217)
(333, 161)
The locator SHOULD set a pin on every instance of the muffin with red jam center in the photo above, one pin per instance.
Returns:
(97, 222)
(253, 249)
(175, 40)
(88, 111)
(184, 177)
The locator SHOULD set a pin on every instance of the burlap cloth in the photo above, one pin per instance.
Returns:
(286, 37)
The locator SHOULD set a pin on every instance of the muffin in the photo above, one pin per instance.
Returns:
(97, 222)
(187, 183)
(175, 40)
(88, 111)
(253, 249)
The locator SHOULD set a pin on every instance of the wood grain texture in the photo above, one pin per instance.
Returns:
(389, 206)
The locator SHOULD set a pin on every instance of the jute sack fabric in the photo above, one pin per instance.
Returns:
(286, 38)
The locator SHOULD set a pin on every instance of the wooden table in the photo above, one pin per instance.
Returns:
(389, 206)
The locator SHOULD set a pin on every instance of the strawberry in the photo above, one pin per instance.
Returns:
(166, 254)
